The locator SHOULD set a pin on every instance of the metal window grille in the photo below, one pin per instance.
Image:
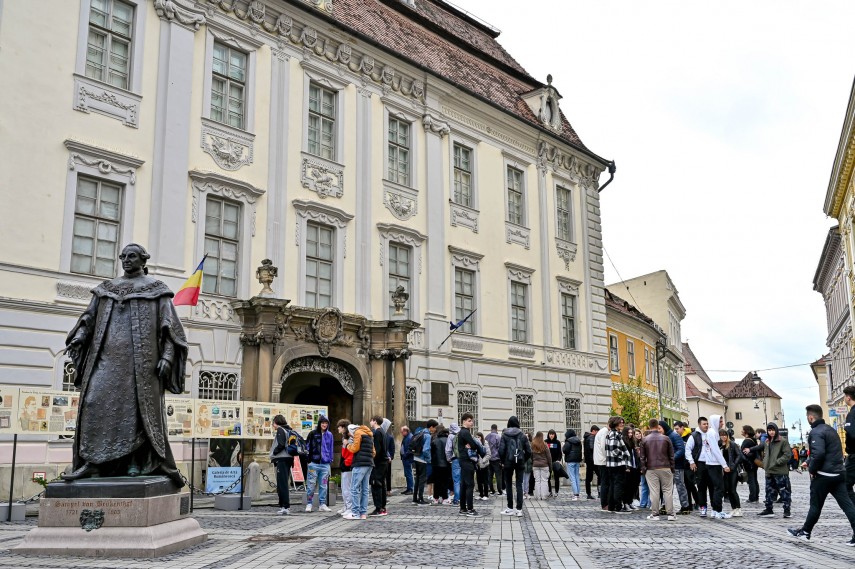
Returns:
(108, 45)
(322, 122)
(69, 374)
(568, 321)
(400, 271)
(222, 234)
(562, 198)
(462, 175)
(525, 412)
(464, 299)
(319, 265)
(519, 317)
(412, 394)
(228, 86)
(399, 151)
(220, 385)
(573, 413)
(467, 402)
(97, 220)
(515, 196)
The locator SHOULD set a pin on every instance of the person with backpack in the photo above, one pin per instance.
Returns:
(451, 456)
(320, 457)
(345, 465)
(440, 467)
(554, 446)
(420, 446)
(496, 468)
(379, 426)
(514, 450)
(282, 462)
(407, 459)
(468, 452)
(591, 469)
(363, 451)
(572, 451)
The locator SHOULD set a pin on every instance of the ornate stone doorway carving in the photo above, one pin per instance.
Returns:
(318, 381)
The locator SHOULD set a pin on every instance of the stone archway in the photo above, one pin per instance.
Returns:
(319, 381)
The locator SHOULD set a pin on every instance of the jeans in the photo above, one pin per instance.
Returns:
(467, 485)
(541, 482)
(680, 485)
(515, 472)
(573, 471)
(778, 484)
(319, 474)
(498, 471)
(283, 476)
(455, 478)
(408, 472)
(710, 477)
(359, 489)
(346, 479)
(603, 485)
(644, 500)
(419, 482)
(753, 485)
(616, 475)
(526, 478)
(661, 481)
(378, 485)
(850, 477)
(820, 488)
(591, 470)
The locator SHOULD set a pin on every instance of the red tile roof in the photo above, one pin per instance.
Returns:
(745, 388)
(615, 302)
(435, 37)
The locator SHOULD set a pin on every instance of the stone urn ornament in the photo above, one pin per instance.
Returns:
(399, 299)
(265, 275)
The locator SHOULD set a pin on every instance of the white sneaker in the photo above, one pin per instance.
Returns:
(736, 513)
(672, 518)
(653, 517)
(341, 512)
(574, 498)
(509, 512)
(448, 502)
(635, 504)
(723, 516)
(309, 507)
(351, 516)
(484, 498)
(283, 512)
(519, 513)
(324, 508)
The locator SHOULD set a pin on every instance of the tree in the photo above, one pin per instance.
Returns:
(633, 403)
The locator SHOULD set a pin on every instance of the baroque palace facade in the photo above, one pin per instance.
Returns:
(360, 145)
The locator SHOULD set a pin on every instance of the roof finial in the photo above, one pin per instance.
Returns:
(549, 79)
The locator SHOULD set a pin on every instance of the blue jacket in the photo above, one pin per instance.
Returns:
(406, 453)
(679, 446)
(425, 455)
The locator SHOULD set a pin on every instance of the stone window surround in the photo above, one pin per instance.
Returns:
(614, 364)
(461, 215)
(105, 165)
(410, 237)
(394, 110)
(558, 182)
(313, 73)
(630, 358)
(522, 275)
(119, 102)
(470, 261)
(242, 43)
(337, 219)
(514, 233)
(571, 287)
(236, 191)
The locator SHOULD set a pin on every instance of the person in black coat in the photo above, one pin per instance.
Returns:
(748, 443)
(591, 469)
(554, 446)
(572, 451)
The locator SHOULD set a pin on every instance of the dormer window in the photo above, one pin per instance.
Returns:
(544, 104)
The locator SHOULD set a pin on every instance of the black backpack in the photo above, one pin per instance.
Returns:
(514, 453)
(417, 445)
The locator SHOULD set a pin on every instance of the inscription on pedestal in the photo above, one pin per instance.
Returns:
(118, 512)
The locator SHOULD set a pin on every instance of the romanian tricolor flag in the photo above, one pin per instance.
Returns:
(188, 294)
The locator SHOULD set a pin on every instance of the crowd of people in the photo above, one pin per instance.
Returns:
(636, 467)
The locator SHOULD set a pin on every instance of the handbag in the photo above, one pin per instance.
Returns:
(559, 470)
(758, 463)
(741, 474)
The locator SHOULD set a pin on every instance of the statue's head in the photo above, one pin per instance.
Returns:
(133, 258)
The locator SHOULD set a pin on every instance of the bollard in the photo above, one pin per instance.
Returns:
(253, 481)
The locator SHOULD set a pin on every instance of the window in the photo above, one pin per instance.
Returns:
(222, 231)
(519, 322)
(97, 217)
(630, 358)
(322, 110)
(525, 412)
(399, 152)
(400, 271)
(108, 46)
(573, 413)
(562, 199)
(319, 265)
(739, 416)
(648, 369)
(462, 175)
(438, 393)
(568, 321)
(515, 196)
(219, 385)
(614, 363)
(464, 299)
(467, 402)
(228, 86)
(411, 402)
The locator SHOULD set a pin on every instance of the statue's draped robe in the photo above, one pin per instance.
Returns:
(128, 327)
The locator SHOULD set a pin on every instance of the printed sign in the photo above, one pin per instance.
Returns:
(304, 418)
(44, 411)
(8, 409)
(842, 411)
(221, 477)
(258, 422)
(297, 471)
(218, 419)
(179, 416)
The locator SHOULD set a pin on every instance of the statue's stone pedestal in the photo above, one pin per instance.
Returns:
(113, 517)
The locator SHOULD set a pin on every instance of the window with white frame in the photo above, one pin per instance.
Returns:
(412, 396)
(400, 272)
(515, 191)
(319, 265)
(573, 414)
(525, 412)
(467, 402)
(563, 213)
(464, 299)
(219, 385)
(322, 122)
(462, 175)
(519, 312)
(399, 146)
(222, 245)
(647, 365)
(97, 221)
(614, 362)
(568, 321)
(630, 357)
(228, 86)
(109, 43)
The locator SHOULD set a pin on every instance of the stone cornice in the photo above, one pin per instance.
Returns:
(844, 160)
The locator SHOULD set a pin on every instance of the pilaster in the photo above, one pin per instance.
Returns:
(277, 194)
(546, 274)
(435, 316)
(364, 220)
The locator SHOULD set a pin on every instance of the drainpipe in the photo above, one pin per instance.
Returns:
(612, 168)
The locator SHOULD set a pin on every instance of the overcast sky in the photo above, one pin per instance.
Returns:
(723, 119)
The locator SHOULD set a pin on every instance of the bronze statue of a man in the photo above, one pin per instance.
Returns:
(127, 347)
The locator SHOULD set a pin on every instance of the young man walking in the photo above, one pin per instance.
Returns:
(514, 451)
(827, 475)
(407, 459)
(496, 469)
(379, 426)
(320, 457)
(467, 446)
(775, 457)
(657, 467)
(708, 464)
(283, 462)
(421, 460)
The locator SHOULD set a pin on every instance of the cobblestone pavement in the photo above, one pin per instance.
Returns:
(552, 534)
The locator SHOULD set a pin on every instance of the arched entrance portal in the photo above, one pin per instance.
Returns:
(318, 381)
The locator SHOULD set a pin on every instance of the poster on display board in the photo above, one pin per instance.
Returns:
(45, 411)
(304, 418)
(179, 416)
(218, 419)
(8, 410)
(258, 419)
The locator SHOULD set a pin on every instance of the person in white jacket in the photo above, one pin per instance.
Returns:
(600, 463)
(708, 464)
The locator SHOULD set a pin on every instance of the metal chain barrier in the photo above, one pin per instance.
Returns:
(267, 479)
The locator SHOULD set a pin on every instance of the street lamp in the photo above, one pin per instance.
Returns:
(660, 355)
(756, 379)
(801, 436)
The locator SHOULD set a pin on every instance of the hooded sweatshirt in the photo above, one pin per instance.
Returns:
(380, 458)
(362, 446)
(777, 455)
(677, 443)
(493, 438)
(710, 453)
(572, 447)
(513, 437)
(321, 444)
(554, 446)
(600, 447)
(453, 431)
